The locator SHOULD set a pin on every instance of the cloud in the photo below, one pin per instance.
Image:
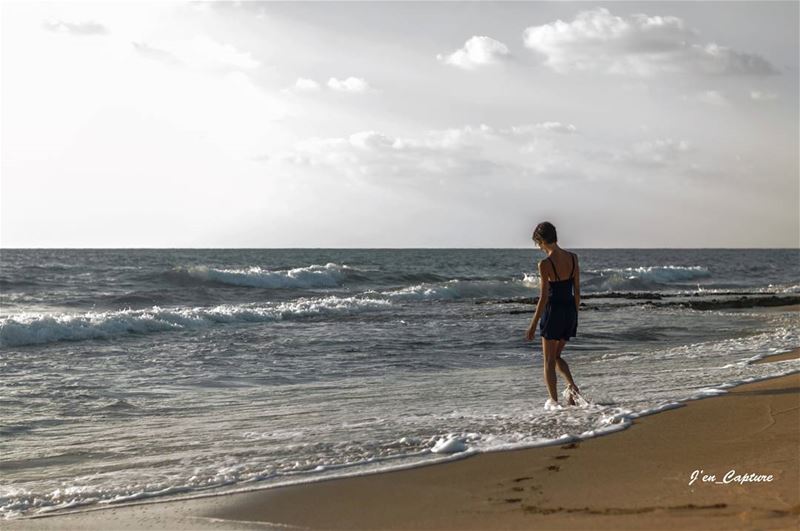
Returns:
(469, 153)
(351, 84)
(760, 95)
(637, 45)
(201, 52)
(377, 157)
(75, 28)
(710, 97)
(477, 51)
(305, 84)
(653, 153)
(155, 54)
(204, 50)
(556, 127)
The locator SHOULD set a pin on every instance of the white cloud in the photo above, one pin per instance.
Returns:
(351, 84)
(761, 95)
(654, 153)
(371, 140)
(557, 127)
(156, 54)
(206, 50)
(477, 51)
(306, 85)
(715, 59)
(200, 52)
(638, 44)
(88, 27)
(710, 97)
(465, 153)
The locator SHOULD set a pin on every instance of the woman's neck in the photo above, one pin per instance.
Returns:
(552, 249)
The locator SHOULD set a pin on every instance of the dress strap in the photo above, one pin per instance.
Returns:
(573, 265)
(554, 268)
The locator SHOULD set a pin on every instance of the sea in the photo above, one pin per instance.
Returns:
(145, 374)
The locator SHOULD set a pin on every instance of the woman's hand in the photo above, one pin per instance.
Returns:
(530, 332)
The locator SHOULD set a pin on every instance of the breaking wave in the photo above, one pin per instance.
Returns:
(464, 289)
(36, 328)
(314, 276)
(637, 278)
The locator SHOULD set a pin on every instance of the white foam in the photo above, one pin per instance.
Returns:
(461, 289)
(314, 276)
(39, 328)
(766, 354)
(605, 430)
(579, 400)
(771, 289)
(661, 274)
(795, 288)
(450, 444)
(552, 405)
(657, 409)
(531, 280)
(710, 391)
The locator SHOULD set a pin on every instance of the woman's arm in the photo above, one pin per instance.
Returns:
(543, 293)
(576, 283)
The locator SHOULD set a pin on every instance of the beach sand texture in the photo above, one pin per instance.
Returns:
(634, 479)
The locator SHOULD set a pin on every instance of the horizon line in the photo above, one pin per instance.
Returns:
(366, 248)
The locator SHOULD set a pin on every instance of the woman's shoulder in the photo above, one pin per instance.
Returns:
(575, 262)
(571, 257)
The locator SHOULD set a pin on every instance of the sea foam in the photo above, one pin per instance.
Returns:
(329, 275)
(643, 277)
(661, 274)
(456, 289)
(39, 328)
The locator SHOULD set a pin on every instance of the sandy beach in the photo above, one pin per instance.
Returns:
(638, 478)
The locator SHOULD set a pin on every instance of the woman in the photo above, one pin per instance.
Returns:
(559, 300)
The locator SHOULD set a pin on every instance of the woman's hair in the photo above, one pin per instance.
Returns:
(545, 232)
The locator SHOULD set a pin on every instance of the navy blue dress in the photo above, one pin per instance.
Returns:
(560, 316)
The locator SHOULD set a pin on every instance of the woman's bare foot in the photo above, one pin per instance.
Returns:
(551, 405)
(570, 392)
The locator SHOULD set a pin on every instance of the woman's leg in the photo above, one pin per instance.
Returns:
(550, 352)
(562, 366)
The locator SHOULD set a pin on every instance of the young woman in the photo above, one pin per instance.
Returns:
(559, 300)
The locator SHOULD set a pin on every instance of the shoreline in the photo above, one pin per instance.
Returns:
(520, 488)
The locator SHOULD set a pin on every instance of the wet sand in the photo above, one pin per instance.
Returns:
(638, 478)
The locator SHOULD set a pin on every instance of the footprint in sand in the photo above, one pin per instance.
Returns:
(570, 446)
(554, 468)
(517, 480)
(561, 457)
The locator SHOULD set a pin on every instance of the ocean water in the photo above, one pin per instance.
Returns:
(130, 374)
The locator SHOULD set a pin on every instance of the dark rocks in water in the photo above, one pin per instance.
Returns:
(636, 295)
(512, 300)
(712, 304)
(701, 294)
(613, 295)
(626, 295)
(741, 302)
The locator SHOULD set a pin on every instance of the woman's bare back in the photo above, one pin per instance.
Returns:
(564, 263)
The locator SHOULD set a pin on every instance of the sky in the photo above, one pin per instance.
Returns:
(399, 124)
